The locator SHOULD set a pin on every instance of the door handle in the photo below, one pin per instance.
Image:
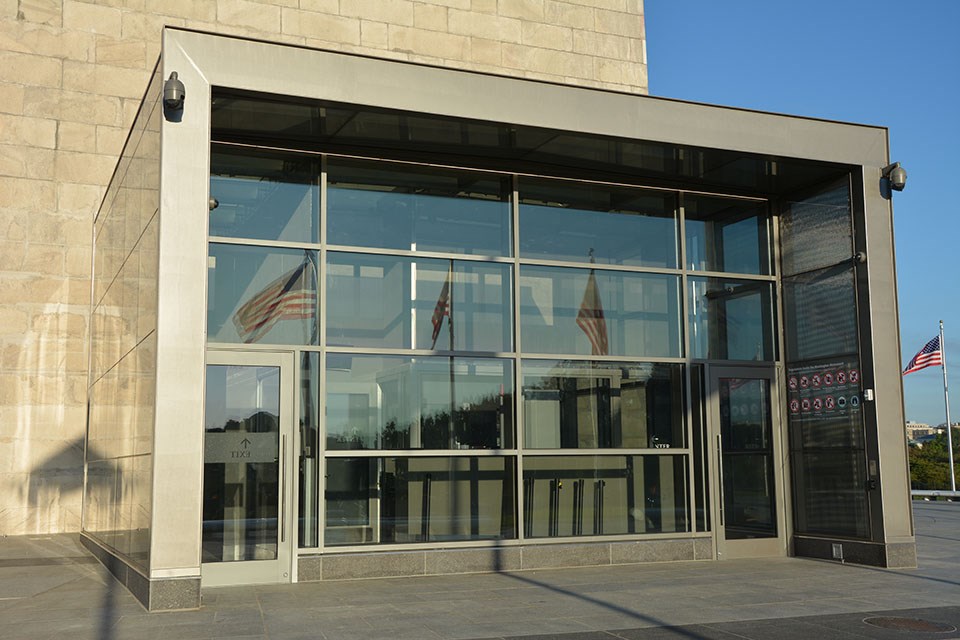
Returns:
(720, 472)
(282, 469)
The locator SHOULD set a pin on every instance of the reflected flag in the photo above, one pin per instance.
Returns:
(444, 308)
(590, 318)
(292, 296)
(930, 356)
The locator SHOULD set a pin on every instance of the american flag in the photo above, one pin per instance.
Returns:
(930, 356)
(590, 318)
(444, 308)
(292, 296)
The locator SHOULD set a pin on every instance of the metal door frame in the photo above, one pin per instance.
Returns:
(756, 547)
(279, 570)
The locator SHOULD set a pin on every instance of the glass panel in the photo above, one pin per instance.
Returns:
(417, 208)
(698, 388)
(726, 235)
(261, 295)
(267, 196)
(309, 448)
(832, 493)
(409, 500)
(731, 319)
(615, 225)
(604, 495)
(382, 301)
(816, 231)
(824, 403)
(592, 405)
(821, 308)
(289, 118)
(588, 312)
(395, 402)
(241, 470)
(746, 431)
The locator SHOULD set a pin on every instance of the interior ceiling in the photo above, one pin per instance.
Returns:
(347, 129)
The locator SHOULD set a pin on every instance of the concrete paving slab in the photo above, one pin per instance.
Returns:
(55, 590)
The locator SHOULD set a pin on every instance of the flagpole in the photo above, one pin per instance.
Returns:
(946, 402)
(453, 389)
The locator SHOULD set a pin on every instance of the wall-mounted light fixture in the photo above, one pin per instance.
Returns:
(895, 175)
(173, 93)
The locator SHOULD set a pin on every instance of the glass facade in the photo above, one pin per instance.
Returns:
(487, 355)
(824, 385)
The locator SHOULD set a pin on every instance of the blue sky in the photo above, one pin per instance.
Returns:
(884, 62)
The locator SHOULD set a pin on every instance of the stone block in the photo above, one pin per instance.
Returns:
(428, 16)
(121, 53)
(901, 555)
(442, 561)
(429, 43)
(42, 40)
(544, 61)
(11, 98)
(110, 140)
(484, 6)
(651, 551)
(491, 27)
(456, 4)
(83, 16)
(146, 27)
(320, 6)
(85, 168)
(309, 568)
(610, 71)
(569, 15)
(13, 225)
(375, 35)
(604, 45)
(14, 321)
(319, 26)
(399, 12)
(532, 10)
(32, 196)
(174, 594)
(12, 253)
(537, 34)
(26, 69)
(551, 556)
(703, 548)
(26, 162)
(78, 198)
(44, 259)
(254, 15)
(484, 51)
(378, 565)
(619, 23)
(40, 11)
(610, 5)
(205, 10)
(74, 136)
(90, 109)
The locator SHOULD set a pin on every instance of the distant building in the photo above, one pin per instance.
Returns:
(917, 429)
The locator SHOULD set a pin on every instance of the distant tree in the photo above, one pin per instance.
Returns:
(930, 464)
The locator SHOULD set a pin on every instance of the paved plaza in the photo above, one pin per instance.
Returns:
(50, 587)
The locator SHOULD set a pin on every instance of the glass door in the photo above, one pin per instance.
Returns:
(748, 462)
(247, 489)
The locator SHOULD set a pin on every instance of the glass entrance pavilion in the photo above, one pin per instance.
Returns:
(346, 306)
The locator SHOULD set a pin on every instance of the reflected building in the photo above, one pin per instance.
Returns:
(390, 319)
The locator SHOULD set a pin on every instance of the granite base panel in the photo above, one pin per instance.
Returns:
(165, 594)
(347, 566)
(898, 555)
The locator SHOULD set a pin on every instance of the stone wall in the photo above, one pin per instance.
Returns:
(72, 75)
